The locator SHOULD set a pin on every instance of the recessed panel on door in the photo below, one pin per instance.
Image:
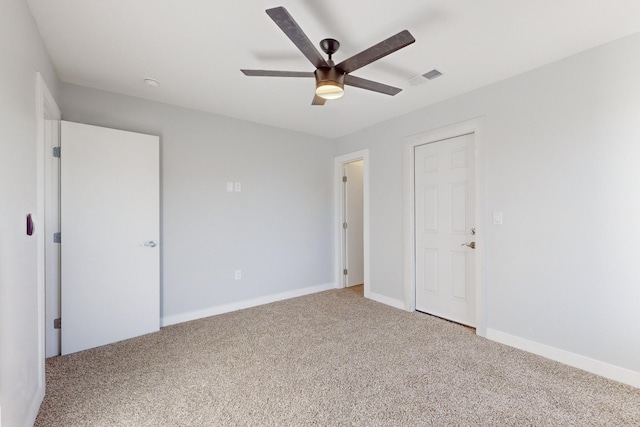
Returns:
(430, 270)
(459, 270)
(458, 209)
(430, 208)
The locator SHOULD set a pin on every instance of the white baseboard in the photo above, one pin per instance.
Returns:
(240, 305)
(597, 367)
(385, 300)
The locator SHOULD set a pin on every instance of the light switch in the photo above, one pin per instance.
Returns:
(497, 217)
(238, 186)
(229, 186)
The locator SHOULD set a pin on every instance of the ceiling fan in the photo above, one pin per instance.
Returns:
(331, 78)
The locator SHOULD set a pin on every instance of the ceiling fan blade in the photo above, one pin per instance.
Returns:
(291, 28)
(318, 100)
(380, 50)
(370, 85)
(273, 73)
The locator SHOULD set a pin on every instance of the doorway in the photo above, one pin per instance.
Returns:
(352, 221)
(416, 261)
(352, 226)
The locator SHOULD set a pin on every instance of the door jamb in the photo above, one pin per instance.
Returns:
(46, 108)
(474, 126)
(339, 163)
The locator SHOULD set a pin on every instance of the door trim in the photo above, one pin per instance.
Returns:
(339, 163)
(46, 108)
(474, 126)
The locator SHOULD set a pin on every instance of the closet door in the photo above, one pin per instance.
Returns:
(445, 229)
(110, 256)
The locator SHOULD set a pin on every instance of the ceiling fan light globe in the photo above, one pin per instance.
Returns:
(329, 90)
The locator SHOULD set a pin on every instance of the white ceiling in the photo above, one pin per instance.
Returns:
(196, 49)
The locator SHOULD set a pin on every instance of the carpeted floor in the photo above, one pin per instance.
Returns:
(328, 359)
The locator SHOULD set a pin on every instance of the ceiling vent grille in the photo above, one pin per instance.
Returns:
(433, 74)
(422, 78)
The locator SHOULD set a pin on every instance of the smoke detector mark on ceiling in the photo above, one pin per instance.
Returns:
(151, 82)
(420, 79)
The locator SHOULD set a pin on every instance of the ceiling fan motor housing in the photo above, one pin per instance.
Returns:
(329, 82)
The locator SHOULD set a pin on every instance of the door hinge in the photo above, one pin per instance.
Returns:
(344, 225)
(57, 237)
(344, 178)
(56, 152)
(57, 323)
(344, 271)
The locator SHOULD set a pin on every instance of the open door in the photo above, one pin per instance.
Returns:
(110, 271)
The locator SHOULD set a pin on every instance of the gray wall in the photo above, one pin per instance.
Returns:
(561, 154)
(22, 56)
(561, 147)
(277, 230)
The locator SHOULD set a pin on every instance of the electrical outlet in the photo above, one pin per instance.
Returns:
(229, 186)
(237, 186)
(238, 274)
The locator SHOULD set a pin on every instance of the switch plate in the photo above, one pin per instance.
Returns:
(229, 186)
(238, 274)
(497, 217)
(238, 186)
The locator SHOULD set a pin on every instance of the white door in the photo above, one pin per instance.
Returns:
(444, 229)
(109, 183)
(354, 205)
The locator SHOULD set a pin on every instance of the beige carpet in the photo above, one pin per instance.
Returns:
(329, 359)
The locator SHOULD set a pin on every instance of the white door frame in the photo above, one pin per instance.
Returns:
(339, 163)
(471, 126)
(46, 109)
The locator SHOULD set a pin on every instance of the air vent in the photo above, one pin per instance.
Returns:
(433, 74)
(422, 78)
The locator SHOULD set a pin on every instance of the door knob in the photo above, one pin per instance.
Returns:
(151, 243)
(472, 245)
